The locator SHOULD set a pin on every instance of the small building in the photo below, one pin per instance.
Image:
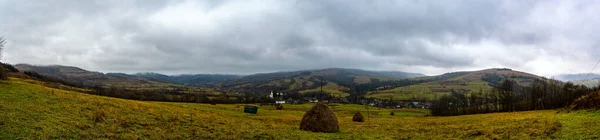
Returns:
(270, 95)
(310, 99)
(314, 101)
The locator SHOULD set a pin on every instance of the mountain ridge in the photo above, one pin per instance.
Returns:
(342, 76)
(335, 81)
(577, 76)
(456, 82)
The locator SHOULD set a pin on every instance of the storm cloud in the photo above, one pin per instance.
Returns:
(545, 37)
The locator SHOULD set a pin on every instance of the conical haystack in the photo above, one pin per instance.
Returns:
(320, 119)
(358, 117)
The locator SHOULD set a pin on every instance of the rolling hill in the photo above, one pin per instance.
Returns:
(586, 79)
(588, 83)
(189, 79)
(336, 81)
(461, 82)
(577, 77)
(86, 77)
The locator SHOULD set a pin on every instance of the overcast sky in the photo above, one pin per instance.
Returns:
(545, 37)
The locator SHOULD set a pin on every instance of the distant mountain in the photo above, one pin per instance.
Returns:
(576, 77)
(189, 79)
(86, 77)
(336, 81)
(588, 83)
(339, 75)
(349, 76)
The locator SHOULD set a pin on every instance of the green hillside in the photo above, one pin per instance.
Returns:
(336, 81)
(464, 83)
(31, 111)
(331, 88)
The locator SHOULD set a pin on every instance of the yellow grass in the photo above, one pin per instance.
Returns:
(330, 88)
(31, 111)
(429, 90)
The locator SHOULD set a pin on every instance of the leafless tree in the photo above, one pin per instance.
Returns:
(2, 41)
(3, 75)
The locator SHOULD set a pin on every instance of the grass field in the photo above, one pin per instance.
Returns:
(469, 83)
(31, 111)
(330, 88)
(430, 90)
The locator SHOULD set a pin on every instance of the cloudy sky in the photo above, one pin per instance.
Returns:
(545, 37)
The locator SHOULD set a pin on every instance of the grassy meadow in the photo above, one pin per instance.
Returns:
(331, 88)
(31, 111)
(430, 90)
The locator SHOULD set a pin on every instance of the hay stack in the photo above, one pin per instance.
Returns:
(320, 119)
(358, 117)
(392, 113)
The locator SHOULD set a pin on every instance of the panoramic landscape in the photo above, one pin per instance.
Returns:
(187, 69)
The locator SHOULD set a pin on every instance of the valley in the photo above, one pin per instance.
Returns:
(335, 82)
(34, 106)
(30, 110)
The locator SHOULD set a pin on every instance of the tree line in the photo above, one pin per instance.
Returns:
(510, 96)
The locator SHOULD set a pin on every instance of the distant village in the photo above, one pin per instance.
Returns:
(278, 97)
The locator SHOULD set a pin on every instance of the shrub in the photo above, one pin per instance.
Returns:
(590, 101)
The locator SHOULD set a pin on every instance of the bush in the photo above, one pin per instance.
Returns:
(590, 101)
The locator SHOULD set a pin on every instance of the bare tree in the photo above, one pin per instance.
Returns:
(2, 42)
(3, 75)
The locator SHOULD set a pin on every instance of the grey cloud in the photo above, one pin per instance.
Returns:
(181, 36)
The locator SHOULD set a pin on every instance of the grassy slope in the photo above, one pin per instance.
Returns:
(33, 111)
(468, 83)
(429, 90)
(332, 88)
(304, 83)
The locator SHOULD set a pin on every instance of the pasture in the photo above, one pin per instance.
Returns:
(31, 111)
